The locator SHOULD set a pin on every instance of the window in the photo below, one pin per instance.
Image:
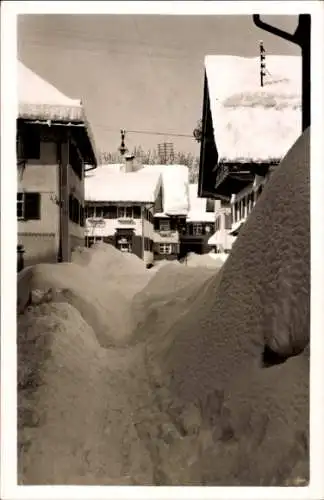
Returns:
(233, 213)
(32, 206)
(90, 240)
(20, 205)
(249, 203)
(76, 211)
(125, 212)
(28, 206)
(197, 229)
(30, 139)
(109, 212)
(237, 212)
(165, 248)
(210, 205)
(90, 212)
(125, 247)
(241, 211)
(228, 221)
(164, 225)
(75, 160)
(244, 207)
(137, 212)
(129, 212)
(99, 212)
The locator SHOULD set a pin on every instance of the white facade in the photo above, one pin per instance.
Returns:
(140, 220)
(120, 207)
(222, 239)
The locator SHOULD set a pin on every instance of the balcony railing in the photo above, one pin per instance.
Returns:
(125, 220)
(167, 233)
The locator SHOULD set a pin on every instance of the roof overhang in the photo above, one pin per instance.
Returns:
(219, 180)
(81, 133)
(228, 150)
(208, 151)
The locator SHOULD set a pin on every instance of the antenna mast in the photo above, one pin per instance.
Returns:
(262, 63)
(122, 147)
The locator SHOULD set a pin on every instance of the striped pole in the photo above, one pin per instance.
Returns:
(262, 63)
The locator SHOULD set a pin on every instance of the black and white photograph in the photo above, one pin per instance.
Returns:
(162, 259)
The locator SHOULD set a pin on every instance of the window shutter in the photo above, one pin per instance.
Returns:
(32, 206)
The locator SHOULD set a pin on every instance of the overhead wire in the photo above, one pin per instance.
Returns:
(145, 132)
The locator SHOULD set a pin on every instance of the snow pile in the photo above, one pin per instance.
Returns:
(75, 402)
(213, 387)
(167, 296)
(204, 260)
(232, 372)
(123, 270)
(101, 304)
(221, 256)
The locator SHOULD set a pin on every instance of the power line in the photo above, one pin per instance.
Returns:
(188, 57)
(146, 132)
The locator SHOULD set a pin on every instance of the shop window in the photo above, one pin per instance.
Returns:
(197, 229)
(165, 248)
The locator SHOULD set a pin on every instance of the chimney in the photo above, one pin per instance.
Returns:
(129, 163)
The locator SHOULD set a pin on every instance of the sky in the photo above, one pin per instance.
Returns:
(142, 73)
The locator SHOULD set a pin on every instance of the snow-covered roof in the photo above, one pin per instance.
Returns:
(197, 207)
(38, 99)
(254, 123)
(104, 184)
(175, 181)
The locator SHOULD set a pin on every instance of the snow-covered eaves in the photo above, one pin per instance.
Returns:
(106, 185)
(197, 207)
(175, 181)
(39, 101)
(253, 123)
